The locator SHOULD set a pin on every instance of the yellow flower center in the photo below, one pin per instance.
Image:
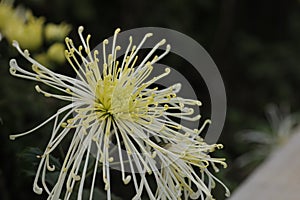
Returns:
(113, 100)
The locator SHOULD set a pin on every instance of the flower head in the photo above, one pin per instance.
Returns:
(56, 52)
(116, 116)
(281, 125)
(57, 32)
(6, 14)
(29, 32)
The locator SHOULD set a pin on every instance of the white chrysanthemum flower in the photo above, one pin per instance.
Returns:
(116, 110)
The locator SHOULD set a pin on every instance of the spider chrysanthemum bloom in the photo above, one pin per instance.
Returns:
(116, 117)
(180, 175)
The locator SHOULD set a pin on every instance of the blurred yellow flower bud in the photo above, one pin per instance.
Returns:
(57, 32)
(6, 14)
(43, 59)
(56, 53)
(28, 34)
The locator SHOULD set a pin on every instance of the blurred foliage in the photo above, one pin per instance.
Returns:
(255, 44)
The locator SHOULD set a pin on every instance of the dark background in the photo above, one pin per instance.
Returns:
(255, 44)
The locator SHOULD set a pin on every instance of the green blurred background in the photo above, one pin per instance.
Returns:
(255, 44)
